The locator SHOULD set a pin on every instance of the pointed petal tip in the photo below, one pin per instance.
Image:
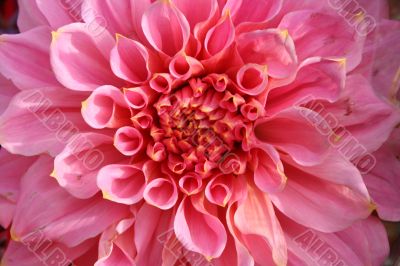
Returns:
(53, 174)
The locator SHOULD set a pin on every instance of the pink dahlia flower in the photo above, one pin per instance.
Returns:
(181, 132)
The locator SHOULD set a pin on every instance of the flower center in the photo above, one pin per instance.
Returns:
(200, 128)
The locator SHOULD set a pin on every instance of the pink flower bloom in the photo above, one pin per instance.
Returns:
(181, 132)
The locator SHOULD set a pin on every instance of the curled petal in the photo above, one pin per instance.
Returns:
(289, 131)
(220, 37)
(323, 34)
(273, 48)
(321, 78)
(162, 82)
(121, 183)
(259, 227)
(219, 190)
(252, 79)
(194, 227)
(130, 60)
(156, 151)
(105, 107)
(139, 97)
(248, 11)
(166, 28)
(76, 167)
(81, 59)
(15, 49)
(161, 193)
(184, 67)
(128, 140)
(191, 183)
(269, 173)
(143, 119)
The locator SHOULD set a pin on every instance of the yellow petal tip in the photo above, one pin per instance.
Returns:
(106, 196)
(84, 104)
(14, 236)
(284, 33)
(55, 35)
(53, 174)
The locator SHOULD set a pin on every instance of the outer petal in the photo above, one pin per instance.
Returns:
(80, 57)
(383, 181)
(60, 13)
(151, 223)
(320, 204)
(290, 131)
(12, 168)
(30, 15)
(364, 243)
(8, 90)
(51, 114)
(256, 221)
(25, 58)
(367, 118)
(130, 60)
(166, 28)
(77, 166)
(269, 174)
(121, 183)
(65, 219)
(115, 16)
(198, 230)
(248, 11)
(39, 250)
(323, 34)
(273, 48)
(317, 79)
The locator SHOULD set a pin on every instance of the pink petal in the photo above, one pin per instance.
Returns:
(65, 218)
(191, 183)
(121, 183)
(219, 190)
(139, 97)
(248, 11)
(289, 131)
(184, 67)
(316, 248)
(311, 194)
(106, 107)
(323, 34)
(80, 58)
(383, 182)
(166, 28)
(77, 166)
(368, 118)
(60, 13)
(51, 114)
(198, 230)
(318, 78)
(29, 15)
(16, 49)
(272, 48)
(128, 140)
(161, 193)
(252, 79)
(37, 250)
(220, 37)
(151, 224)
(12, 168)
(115, 16)
(130, 60)
(8, 90)
(255, 219)
(269, 175)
